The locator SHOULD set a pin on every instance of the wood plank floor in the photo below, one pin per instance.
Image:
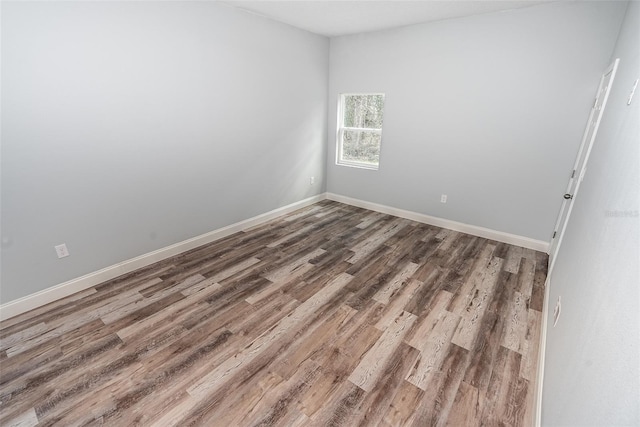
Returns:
(331, 315)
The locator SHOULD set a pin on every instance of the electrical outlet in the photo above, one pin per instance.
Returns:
(443, 198)
(62, 250)
(312, 180)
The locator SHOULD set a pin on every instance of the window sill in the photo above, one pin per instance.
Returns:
(358, 165)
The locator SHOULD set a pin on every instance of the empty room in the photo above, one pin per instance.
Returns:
(320, 213)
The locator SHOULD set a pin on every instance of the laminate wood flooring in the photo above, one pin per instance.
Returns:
(332, 315)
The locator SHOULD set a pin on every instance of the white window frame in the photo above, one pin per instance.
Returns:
(341, 128)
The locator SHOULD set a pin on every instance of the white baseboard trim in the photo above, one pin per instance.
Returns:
(54, 293)
(487, 233)
(46, 296)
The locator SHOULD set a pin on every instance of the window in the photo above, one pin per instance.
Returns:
(360, 130)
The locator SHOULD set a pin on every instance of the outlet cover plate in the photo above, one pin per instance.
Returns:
(62, 250)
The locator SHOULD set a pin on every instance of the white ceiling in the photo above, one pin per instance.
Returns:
(335, 17)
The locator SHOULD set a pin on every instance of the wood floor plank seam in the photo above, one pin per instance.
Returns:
(330, 315)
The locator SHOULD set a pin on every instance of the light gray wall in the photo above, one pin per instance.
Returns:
(488, 109)
(130, 126)
(592, 367)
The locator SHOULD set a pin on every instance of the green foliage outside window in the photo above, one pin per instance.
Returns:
(362, 125)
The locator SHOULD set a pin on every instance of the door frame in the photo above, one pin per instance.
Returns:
(579, 169)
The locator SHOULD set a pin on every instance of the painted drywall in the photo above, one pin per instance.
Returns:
(130, 126)
(592, 360)
(487, 109)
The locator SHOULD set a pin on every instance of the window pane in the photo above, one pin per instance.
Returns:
(363, 111)
(361, 146)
